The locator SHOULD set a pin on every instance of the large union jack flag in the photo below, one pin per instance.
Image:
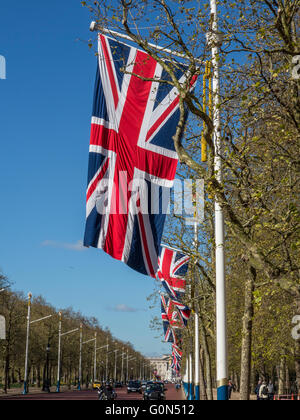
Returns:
(173, 266)
(131, 154)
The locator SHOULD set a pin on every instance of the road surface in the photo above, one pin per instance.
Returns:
(89, 395)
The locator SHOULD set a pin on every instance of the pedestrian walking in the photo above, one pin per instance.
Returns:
(257, 389)
(263, 392)
(231, 387)
(271, 391)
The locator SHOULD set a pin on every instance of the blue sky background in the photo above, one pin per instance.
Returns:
(45, 112)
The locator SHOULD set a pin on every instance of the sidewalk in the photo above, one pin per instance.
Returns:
(235, 396)
(173, 395)
(32, 390)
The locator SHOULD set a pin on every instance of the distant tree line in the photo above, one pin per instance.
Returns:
(43, 348)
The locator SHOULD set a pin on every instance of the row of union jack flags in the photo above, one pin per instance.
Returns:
(133, 123)
(173, 266)
(131, 153)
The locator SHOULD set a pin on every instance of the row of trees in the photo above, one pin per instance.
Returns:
(43, 350)
(260, 111)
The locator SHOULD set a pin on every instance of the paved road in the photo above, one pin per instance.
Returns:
(88, 395)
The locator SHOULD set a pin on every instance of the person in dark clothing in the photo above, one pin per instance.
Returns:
(231, 388)
(271, 391)
(257, 389)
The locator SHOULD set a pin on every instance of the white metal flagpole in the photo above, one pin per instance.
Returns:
(221, 323)
(196, 315)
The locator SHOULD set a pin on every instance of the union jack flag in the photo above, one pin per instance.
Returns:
(184, 312)
(169, 313)
(173, 266)
(175, 313)
(170, 336)
(176, 364)
(176, 357)
(177, 351)
(131, 154)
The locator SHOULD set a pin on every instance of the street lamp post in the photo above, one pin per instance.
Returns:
(60, 335)
(46, 384)
(95, 358)
(127, 368)
(80, 359)
(29, 322)
(122, 371)
(27, 345)
(59, 353)
(115, 378)
(106, 365)
(96, 349)
(80, 355)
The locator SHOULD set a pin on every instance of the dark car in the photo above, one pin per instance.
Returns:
(134, 386)
(118, 385)
(154, 392)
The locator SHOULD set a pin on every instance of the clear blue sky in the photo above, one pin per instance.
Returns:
(45, 112)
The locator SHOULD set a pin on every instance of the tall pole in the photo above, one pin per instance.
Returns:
(221, 322)
(122, 371)
(115, 378)
(27, 345)
(127, 368)
(80, 359)
(197, 357)
(106, 367)
(59, 353)
(95, 358)
(196, 316)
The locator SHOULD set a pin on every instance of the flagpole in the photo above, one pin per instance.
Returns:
(221, 322)
(27, 345)
(196, 317)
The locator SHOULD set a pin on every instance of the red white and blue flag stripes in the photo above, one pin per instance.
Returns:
(176, 357)
(169, 314)
(169, 333)
(184, 312)
(173, 267)
(131, 154)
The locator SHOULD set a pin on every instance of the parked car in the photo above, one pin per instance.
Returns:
(154, 392)
(118, 385)
(134, 386)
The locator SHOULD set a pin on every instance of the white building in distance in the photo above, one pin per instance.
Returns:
(162, 365)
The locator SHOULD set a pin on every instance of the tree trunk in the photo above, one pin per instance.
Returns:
(247, 336)
(203, 395)
(287, 380)
(297, 352)
(6, 372)
(207, 358)
(281, 376)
